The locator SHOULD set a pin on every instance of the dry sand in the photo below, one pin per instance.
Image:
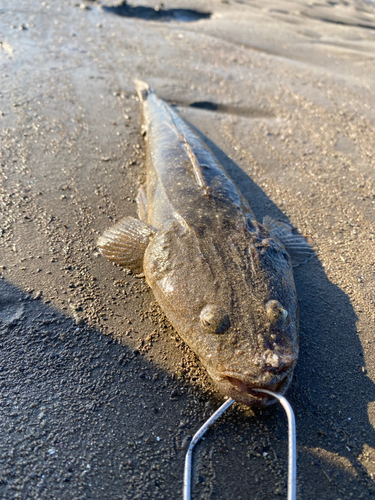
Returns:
(99, 396)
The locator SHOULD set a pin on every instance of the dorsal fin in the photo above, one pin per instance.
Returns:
(198, 172)
(143, 91)
(197, 169)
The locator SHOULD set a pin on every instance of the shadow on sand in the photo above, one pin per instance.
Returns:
(157, 14)
(81, 415)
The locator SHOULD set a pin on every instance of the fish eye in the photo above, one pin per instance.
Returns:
(277, 314)
(214, 319)
(286, 318)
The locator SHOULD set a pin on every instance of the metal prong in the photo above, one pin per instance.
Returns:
(292, 443)
(197, 436)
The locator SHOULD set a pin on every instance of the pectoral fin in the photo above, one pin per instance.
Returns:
(299, 247)
(125, 243)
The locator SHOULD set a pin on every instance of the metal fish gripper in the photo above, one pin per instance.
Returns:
(292, 445)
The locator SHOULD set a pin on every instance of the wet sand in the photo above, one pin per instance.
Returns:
(99, 395)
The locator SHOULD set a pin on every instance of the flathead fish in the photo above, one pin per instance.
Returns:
(224, 280)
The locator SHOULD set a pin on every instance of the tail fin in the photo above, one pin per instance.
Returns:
(143, 89)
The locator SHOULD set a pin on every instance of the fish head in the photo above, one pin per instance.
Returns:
(233, 301)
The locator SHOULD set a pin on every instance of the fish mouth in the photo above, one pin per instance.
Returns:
(251, 389)
(248, 392)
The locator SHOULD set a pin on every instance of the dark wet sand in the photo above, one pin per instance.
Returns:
(99, 396)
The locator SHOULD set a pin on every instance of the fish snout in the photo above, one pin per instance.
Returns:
(278, 363)
(243, 386)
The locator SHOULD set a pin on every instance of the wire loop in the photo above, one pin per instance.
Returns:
(292, 445)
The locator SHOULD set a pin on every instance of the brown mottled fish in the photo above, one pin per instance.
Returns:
(224, 280)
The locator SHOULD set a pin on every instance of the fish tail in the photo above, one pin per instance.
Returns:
(143, 90)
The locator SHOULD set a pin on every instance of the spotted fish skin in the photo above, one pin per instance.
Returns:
(224, 280)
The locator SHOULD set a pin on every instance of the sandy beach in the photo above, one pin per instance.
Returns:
(99, 395)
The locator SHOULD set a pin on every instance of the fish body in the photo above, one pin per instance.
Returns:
(224, 280)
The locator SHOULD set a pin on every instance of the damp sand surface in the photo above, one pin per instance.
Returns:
(99, 396)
